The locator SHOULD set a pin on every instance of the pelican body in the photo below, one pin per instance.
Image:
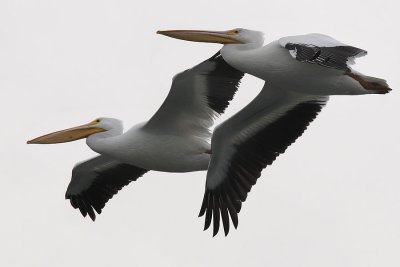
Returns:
(300, 74)
(150, 149)
(140, 146)
(175, 139)
(281, 63)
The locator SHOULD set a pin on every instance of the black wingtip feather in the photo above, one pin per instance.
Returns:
(224, 215)
(231, 210)
(89, 208)
(208, 218)
(216, 215)
(204, 204)
(81, 206)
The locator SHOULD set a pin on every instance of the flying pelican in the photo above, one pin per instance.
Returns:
(300, 73)
(175, 139)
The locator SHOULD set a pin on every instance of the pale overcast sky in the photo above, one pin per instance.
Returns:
(331, 200)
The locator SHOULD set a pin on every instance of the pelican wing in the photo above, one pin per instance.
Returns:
(196, 97)
(248, 142)
(96, 181)
(322, 50)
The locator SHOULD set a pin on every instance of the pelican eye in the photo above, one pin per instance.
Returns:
(233, 32)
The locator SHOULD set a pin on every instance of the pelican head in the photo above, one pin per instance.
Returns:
(71, 134)
(235, 36)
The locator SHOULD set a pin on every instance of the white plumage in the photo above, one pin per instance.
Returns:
(300, 72)
(175, 139)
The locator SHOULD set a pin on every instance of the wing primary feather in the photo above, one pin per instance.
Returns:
(89, 207)
(81, 206)
(204, 204)
(224, 215)
(216, 214)
(232, 211)
(208, 212)
(74, 202)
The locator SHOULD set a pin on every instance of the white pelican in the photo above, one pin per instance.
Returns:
(300, 72)
(175, 139)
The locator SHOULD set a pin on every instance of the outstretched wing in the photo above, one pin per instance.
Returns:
(96, 181)
(248, 142)
(322, 50)
(197, 96)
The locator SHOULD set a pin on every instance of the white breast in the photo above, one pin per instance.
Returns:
(168, 153)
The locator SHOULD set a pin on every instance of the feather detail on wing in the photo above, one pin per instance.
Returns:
(321, 50)
(96, 181)
(197, 96)
(248, 142)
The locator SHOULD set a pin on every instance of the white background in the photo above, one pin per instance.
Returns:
(331, 200)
